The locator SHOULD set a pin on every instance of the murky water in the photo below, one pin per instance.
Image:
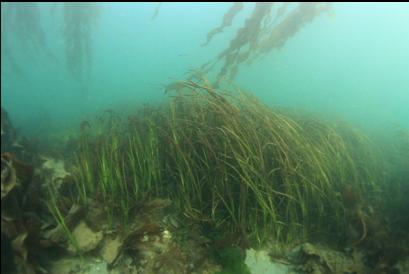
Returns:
(256, 123)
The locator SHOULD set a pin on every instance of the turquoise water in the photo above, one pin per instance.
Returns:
(352, 63)
(229, 175)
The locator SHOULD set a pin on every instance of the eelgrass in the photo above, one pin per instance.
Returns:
(395, 198)
(54, 208)
(229, 161)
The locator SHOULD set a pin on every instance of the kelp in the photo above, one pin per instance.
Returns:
(261, 34)
(227, 21)
(245, 39)
(24, 216)
(20, 25)
(20, 222)
(23, 21)
(156, 12)
(79, 22)
(290, 25)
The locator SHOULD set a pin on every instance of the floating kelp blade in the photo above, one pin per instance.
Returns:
(261, 34)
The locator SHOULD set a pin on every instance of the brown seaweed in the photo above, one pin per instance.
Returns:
(261, 34)
(79, 21)
(8, 176)
(25, 19)
(227, 21)
(290, 25)
(20, 218)
(245, 39)
(156, 12)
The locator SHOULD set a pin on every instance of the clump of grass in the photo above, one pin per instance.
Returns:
(259, 171)
(230, 162)
(56, 212)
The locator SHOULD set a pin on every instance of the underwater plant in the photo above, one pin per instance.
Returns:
(227, 21)
(261, 32)
(25, 18)
(229, 162)
(20, 25)
(156, 12)
(79, 22)
(61, 220)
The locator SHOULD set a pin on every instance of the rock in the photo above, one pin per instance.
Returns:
(56, 168)
(85, 265)
(260, 262)
(111, 249)
(319, 259)
(86, 239)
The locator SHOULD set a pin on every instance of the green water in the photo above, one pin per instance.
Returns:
(329, 162)
(352, 64)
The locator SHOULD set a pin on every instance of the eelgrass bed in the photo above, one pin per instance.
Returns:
(230, 163)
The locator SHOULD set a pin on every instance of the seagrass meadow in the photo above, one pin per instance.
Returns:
(230, 162)
(187, 138)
